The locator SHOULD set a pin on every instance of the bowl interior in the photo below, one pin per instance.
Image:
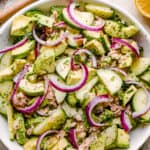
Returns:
(139, 135)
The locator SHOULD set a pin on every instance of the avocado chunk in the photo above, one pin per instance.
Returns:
(3, 106)
(30, 144)
(58, 50)
(140, 65)
(100, 10)
(122, 139)
(12, 70)
(110, 79)
(116, 29)
(24, 50)
(45, 63)
(21, 25)
(32, 89)
(146, 77)
(20, 131)
(83, 93)
(54, 121)
(95, 46)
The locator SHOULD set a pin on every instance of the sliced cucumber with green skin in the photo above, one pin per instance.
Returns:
(82, 94)
(91, 34)
(140, 65)
(85, 17)
(54, 121)
(146, 77)
(122, 139)
(24, 50)
(110, 79)
(32, 89)
(129, 94)
(139, 102)
(105, 41)
(102, 11)
(63, 67)
(5, 60)
(110, 135)
(99, 144)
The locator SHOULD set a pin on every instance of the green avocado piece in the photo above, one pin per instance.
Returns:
(21, 25)
(30, 144)
(54, 121)
(45, 63)
(24, 50)
(32, 89)
(122, 139)
(12, 70)
(116, 29)
(95, 46)
(100, 10)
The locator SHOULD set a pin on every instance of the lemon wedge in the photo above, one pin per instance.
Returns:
(144, 7)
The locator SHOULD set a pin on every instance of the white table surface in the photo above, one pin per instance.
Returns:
(125, 4)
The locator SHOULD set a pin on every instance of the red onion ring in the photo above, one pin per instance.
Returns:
(119, 71)
(37, 50)
(125, 121)
(94, 61)
(66, 88)
(73, 138)
(91, 105)
(33, 107)
(20, 77)
(13, 47)
(147, 108)
(126, 43)
(41, 137)
(70, 10)
(63, 36)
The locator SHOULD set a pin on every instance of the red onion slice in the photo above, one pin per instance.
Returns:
(69, 88)
(14, 46)
(37, 50)
(119, 71)
(71, 13)
(60, 24)
(94, 61)
(125, 121)
(41, 137)
(147, 108)
(63, 36)
(31, 108)
(19, 78)
(77, 36)
(115, 46)
(126, 43)
(91, 105)
(73, 138)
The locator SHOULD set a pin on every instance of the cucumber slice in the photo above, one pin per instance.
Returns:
(110, 135)
(139, 102)
(102, 11)
(85, 17)
(31, 89)
(91, 34)
(110, 79)
(83, 93)
(6, 60)
(99, 144)
(140, 65)
(146, 77)
(122, 139)
(63, 67)
(129, 94)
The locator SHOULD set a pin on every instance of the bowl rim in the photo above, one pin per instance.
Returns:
(115, 6)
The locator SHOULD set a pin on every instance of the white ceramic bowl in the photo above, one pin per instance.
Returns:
(138, 136)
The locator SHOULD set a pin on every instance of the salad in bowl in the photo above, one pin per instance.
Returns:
(74, 78)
